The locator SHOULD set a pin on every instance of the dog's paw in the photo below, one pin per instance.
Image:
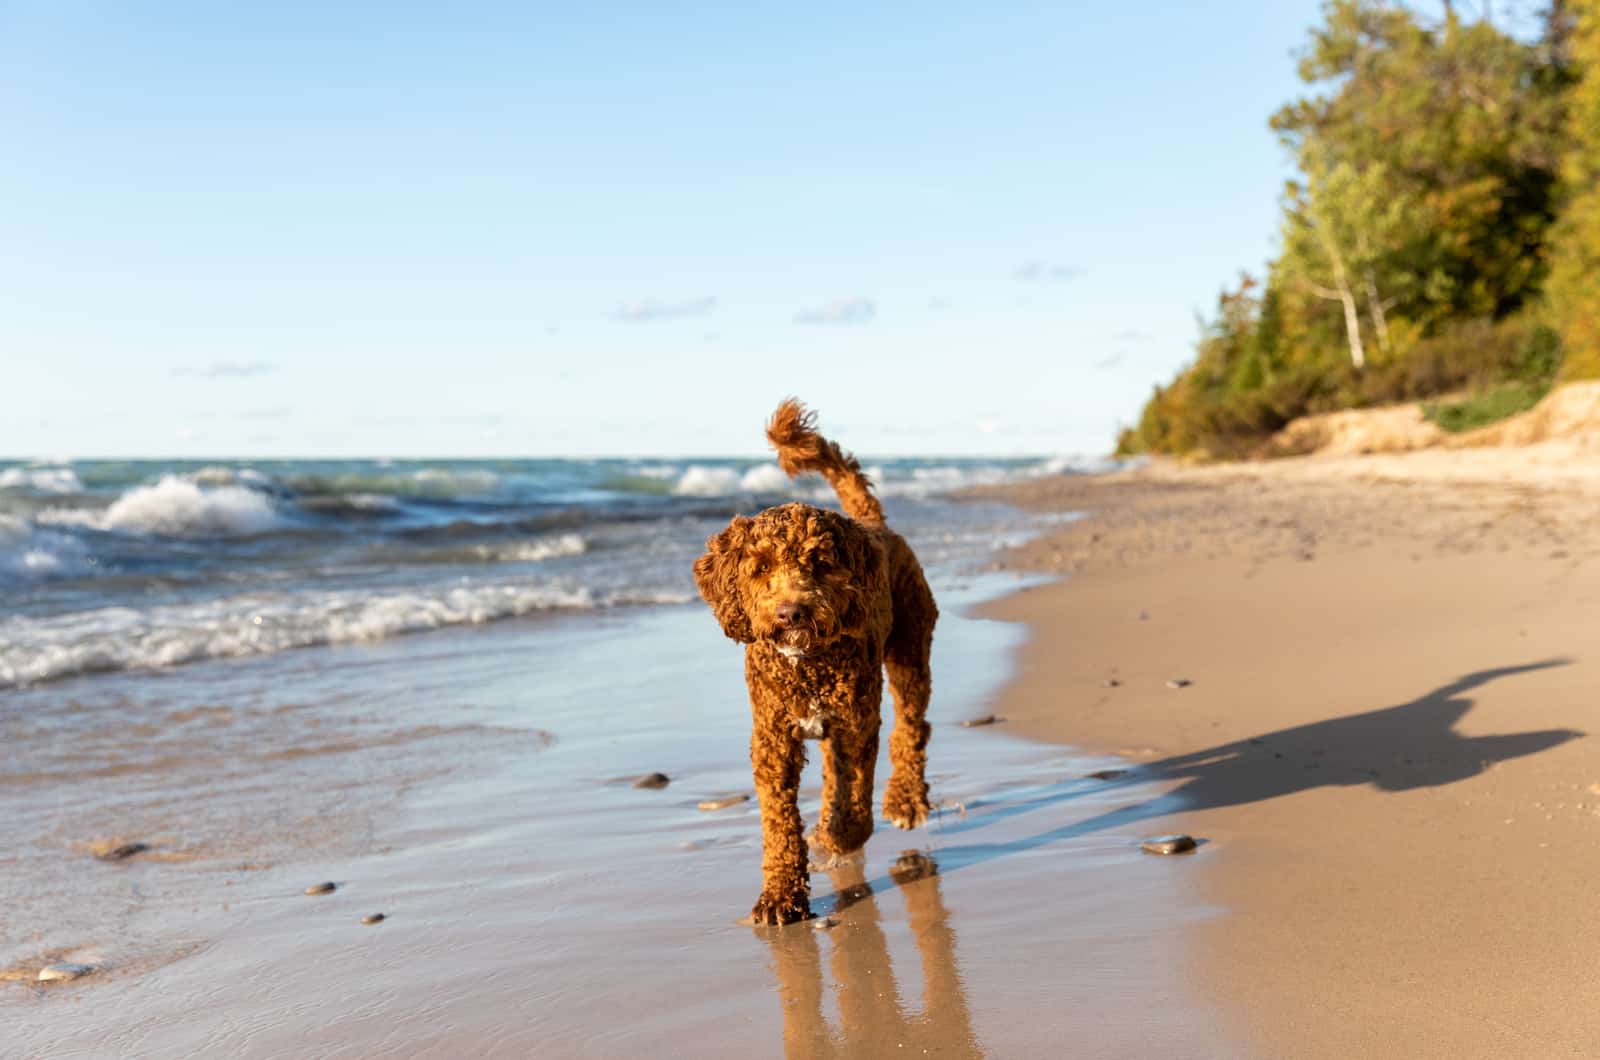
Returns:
(780, 909)
(905, 811)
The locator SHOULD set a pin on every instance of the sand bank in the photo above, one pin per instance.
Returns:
(1393, 666)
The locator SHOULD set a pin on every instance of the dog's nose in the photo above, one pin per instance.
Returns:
(789, 614)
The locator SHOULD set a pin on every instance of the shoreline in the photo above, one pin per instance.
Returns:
(1381, 746)
(527, 890)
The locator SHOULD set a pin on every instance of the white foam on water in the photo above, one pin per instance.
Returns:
(28, 553)
(918, 482)
(533, 551)
(178, 506)
(701, 481)
(35, 650)
(41, 479)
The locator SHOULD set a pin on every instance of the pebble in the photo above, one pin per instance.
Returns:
(322, 888)
(823, 923)
(62, 971)
(973, 723)
(724, 802)
(1112, 682)
(1107, 774)
(373, 918)
(1169, 844)
(1179, 682)
(653, 780)
(126, 850)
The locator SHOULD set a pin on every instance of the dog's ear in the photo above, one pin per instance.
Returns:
(716, 575)
(862, 554)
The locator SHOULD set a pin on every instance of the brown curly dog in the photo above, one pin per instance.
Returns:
(824, 605)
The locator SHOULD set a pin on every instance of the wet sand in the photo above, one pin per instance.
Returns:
(1385, 741)
(472, 786)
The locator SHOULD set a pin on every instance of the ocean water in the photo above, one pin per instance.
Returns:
(150, 565)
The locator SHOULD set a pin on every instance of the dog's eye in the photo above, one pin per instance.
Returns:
(762, 566)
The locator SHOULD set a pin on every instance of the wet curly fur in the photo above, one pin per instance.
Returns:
(824, 604)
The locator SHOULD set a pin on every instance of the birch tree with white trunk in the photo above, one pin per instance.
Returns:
(1340, 228)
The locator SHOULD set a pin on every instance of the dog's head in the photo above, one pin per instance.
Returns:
(798, 576)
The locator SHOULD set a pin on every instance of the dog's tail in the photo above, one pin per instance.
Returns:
(793, 433)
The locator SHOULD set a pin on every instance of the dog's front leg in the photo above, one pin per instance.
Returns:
(777, 756)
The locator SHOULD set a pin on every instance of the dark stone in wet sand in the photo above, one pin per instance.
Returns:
(62, 971)
(653, 780)
(973, 723)
(1179, 682)
(823, 923)
(322, 888)
(1169, 844)
(373, 918)
(1107, 774)
(125, 851)
(1112, 682)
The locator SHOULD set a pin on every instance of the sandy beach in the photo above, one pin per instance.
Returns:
(1384, 745)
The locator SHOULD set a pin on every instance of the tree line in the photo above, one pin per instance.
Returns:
(1440, 239)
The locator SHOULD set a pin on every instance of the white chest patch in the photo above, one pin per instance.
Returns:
(814, 726)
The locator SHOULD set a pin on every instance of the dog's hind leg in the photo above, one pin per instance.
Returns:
(905, 799)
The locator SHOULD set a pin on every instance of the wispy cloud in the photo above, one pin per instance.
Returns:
(225, 370)
(1111, 361)
(1044, 271)
(650, 309)
(853, 310)
(1133, 336)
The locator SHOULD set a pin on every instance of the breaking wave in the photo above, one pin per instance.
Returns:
(41, 479)
(28, 553)
(36, 650)
(179, 506)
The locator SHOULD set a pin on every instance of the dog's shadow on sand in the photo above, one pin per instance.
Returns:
(1399, 748)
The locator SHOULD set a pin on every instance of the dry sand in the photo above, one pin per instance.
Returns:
(1384, 745)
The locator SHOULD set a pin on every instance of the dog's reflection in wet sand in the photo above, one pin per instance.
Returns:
(873, 1021)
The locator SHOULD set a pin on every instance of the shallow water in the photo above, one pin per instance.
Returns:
(463, 784)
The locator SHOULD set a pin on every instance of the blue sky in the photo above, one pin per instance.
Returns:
(299, 229)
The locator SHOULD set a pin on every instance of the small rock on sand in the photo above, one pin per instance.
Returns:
(373, 918)
(1112, 682)
(653, 780)
(973, 723)
(1169, 844)
(1106, 774)
(62, 971)
(322, 888)
(823, 923)
(123, 852)
(724, 802)
(1179, 682)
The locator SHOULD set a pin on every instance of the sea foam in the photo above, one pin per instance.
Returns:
(41, 479)
(29, 553)
(178, 507)
(35, 650)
